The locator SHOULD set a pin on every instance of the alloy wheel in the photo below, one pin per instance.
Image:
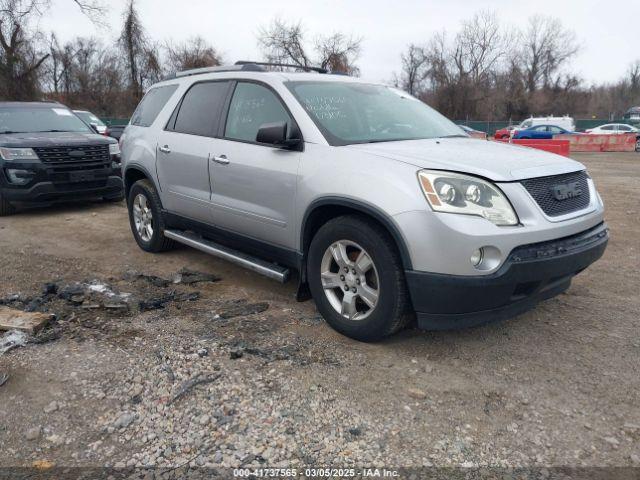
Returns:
(350, 280)
(143, 217)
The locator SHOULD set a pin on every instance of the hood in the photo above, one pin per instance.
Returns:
(493, 160)
(52, 139)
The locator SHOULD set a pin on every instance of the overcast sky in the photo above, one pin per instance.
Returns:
(608, 32)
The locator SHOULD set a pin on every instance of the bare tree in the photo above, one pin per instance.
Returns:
(283, 42)
(546, 47)
(194, 53)
(338, 53)
(142, 57)
(414, 69)
(20, 58)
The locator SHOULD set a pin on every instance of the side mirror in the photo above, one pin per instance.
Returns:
(276, 134)
(94, 127)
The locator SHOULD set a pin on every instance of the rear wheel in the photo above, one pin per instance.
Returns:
(145, 217)
(356, 278)
(5, 207)
(638, 144)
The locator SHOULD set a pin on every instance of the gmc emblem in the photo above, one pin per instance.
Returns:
(566, 190)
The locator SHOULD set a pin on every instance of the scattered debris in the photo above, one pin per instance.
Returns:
(189, 384)
(160, 302)
(236, 353)
(52, 407)
(3, 378)
(33, 433)
(11, 340)
(124, 420)
(30, 322)
(416, 393)
(241, 307)
(203, 352)
(189, 277)
(50, 289)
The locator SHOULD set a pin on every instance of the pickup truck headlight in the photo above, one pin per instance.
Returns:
(18, 153)
(451, 192)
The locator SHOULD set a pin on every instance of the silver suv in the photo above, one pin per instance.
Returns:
(382, 205)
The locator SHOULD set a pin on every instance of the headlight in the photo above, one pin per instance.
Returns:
(455, 193)
(114, 149)
(18, 154)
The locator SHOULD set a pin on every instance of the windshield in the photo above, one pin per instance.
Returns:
(348, 113)
(90, 118)
(25, 119)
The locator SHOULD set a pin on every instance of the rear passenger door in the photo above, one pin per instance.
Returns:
(184, 148)
(253, 185)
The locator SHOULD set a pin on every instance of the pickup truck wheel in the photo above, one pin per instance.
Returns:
(145, 218)
(356, 278)
(5, 207)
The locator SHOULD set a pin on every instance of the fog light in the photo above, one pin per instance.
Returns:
(19, 177)
(476, 257)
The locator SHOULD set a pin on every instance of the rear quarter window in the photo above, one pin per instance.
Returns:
(151, 105)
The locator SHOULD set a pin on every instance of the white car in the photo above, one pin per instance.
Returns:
(566, 122)
(612, 129)
(91, 120)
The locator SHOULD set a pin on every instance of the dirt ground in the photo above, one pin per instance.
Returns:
(236, 373)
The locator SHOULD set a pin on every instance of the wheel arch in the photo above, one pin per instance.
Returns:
(132, 174)
(324, 209)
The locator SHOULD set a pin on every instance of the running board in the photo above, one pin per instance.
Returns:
(271, 270)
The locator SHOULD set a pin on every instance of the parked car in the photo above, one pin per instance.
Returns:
(380, 203)
(541, 132)
(91, 120)
(504, 133)
(473, 133)
(567, 123)
(612, 129)
(47, 154)
(115, 131)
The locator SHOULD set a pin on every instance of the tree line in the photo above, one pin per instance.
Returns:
(485, 71)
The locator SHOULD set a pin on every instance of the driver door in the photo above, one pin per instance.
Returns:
(253, 185)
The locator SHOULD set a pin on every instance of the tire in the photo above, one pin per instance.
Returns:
(5, 207)
(385, 277)
(504, 137)
(638, 144)
(149, 240)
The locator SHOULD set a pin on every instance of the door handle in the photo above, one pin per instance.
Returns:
(222, 159)
(165, 149)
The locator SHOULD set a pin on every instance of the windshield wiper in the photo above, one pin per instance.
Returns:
(52, 131)
(9, 131)
(455, 135)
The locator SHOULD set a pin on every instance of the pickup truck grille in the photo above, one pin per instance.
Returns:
(558, 195)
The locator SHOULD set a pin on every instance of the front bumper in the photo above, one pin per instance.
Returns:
(530, 274)
(50, 192)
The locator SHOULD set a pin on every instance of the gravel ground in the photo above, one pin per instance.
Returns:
(148, 367)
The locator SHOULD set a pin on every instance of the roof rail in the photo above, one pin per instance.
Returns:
(247, 63)
(225, 68)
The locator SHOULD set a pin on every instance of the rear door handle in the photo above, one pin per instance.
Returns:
(222, 159)
(165, 149)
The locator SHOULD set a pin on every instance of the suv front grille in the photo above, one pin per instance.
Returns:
(64, 163)
(60, 156)
(542, 191)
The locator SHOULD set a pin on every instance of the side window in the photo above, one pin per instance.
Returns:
(251, 107)
(555, 129)
(527, 124)
(624, 128)
(541, 128)
(151, 104)
(607, 127)
(200, 109)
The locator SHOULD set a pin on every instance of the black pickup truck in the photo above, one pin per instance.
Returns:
(47, 155)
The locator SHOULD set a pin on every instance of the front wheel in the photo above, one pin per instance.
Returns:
(356, 278)
(638, 144)
(145, 217)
